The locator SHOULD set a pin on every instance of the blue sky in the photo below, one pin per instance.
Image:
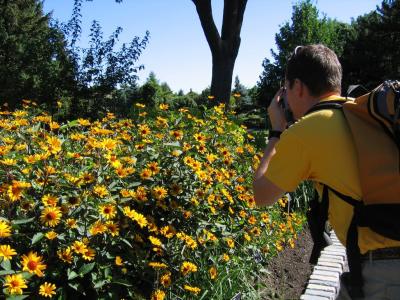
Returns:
(178, 52)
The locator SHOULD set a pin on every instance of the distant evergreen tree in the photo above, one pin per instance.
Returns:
(372, 53)
(33, 60)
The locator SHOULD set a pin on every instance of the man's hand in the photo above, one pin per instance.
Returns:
(275, 112)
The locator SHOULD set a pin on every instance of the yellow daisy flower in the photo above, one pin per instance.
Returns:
(51, 216)
(6, 252)
(5, 229)
(14, 284)
(47, 289)
(33, 263)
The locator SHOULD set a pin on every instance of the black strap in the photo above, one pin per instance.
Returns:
(345, 198)
(317, 215)
(333, 104)
(354, 258)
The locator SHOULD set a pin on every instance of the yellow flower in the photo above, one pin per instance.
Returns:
(279, 246)
(49, 200)
(155, 241)
(157, 265)
(199, 137)
(112, 228)
(108, 211)
(168, 231)
(71, 223)
(188, 267)
(14, 284)
(65, 255)
(51, 235)
(6, 252)
(146, 174)
(89, 254)
(139, 218)
(230, 243)
(97, 228)
(177, 134)
(84, 122)
(33, 263)
(159, 192)
(144, 129)
(165, 279)
(79, 247)
(53, 145)
(193, 289)
(265, 217)
(47, 289)
(8, 162)
(140, 105)
(225, 257)
(15, 190)
(163, 106)
(158, 295)
(118, 261)
(100, 190)
(51, 216)
(5, 229)
(213, 272)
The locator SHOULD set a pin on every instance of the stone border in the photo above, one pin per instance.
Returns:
(324, 283)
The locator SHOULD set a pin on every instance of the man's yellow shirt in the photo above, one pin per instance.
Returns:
(319, 147)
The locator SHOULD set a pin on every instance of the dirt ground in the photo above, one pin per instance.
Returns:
(290, 270)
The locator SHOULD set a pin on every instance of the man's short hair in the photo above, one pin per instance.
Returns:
(317, 67)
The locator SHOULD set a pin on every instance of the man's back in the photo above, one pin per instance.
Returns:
(320, 147)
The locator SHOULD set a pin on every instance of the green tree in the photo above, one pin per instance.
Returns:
(243, 100)
(225, 46)
(100, 69)
(372, 54)
(33, 60)
(306, 27)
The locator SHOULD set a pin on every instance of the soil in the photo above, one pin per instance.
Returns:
(290, 270)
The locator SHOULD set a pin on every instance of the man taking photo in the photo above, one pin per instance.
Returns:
(319, 147)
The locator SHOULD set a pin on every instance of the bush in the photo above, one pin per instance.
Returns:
(110, 209)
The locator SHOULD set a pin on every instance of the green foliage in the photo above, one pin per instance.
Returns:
(372, 54)
(133, 207)
(33, 60)
(306, 27)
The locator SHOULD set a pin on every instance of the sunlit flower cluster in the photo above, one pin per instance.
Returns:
(102, 206)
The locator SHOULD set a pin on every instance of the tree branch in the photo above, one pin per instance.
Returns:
(204, 10)
(233, 18)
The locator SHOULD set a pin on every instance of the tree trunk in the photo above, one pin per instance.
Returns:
(221, 81)
(225, 47)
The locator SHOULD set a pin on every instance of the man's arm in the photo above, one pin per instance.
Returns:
(266, 192)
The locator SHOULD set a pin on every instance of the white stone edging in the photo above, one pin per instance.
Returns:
(324, 282)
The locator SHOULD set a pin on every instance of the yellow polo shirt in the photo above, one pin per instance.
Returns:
(319, 147)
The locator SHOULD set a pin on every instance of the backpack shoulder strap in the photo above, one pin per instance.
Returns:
(333, 104)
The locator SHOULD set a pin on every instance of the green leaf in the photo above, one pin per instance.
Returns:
(72, 274)
(174, 144)
(127, 242)
(134, 184)
(17, 297)
(7, 272)
(122, 282)
(100, 284)
(86, 268)
(22, 221)
(37, 237)
(6, 264)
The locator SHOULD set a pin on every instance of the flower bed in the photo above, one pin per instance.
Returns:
(154, 207)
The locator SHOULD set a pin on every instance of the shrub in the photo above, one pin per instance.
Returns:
(143, 207)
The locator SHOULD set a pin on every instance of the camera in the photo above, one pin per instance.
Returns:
(286, 109)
